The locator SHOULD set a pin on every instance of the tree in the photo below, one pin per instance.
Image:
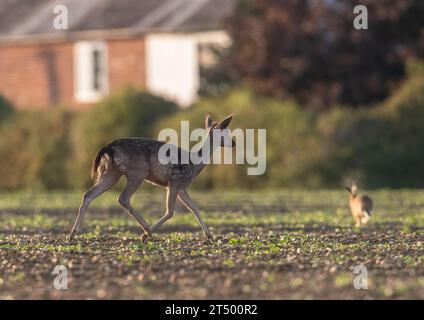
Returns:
(311, 51)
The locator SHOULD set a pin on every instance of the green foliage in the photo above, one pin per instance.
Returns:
(405, 114)
(290, 132)
(125, 114)
(54, 149)
(34, 146)
(381, 147)
(6, 108)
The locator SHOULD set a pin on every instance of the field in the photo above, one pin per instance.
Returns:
(268, 245)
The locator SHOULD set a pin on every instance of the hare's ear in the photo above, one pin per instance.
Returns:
(224, 123)
(208, 121)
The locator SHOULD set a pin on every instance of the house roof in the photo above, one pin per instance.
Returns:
(33, 19)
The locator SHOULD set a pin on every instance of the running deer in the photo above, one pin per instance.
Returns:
(360, 205)
(138, 160)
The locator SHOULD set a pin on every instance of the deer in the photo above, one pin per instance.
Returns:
(361, 206)
(138, 160)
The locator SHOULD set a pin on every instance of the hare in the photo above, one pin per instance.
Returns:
(361, 206)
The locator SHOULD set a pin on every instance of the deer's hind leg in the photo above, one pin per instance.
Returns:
(125, 201)
(105, 182)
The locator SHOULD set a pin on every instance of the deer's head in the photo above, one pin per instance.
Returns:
(220, 131)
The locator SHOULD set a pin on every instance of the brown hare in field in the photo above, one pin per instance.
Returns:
(360, 205)
(138, 159)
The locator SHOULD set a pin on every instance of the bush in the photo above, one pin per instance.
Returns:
(6, 109)
(290, 133)
(124, 114)
(405, 143)
(35, 149)
(378, 148)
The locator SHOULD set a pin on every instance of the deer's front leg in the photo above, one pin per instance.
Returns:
(190, 205)
(171, 197)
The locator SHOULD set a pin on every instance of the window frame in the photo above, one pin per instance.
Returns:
(84, 72)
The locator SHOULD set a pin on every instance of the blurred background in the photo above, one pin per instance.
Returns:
(339, 104)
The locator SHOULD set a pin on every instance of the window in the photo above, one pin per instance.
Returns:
(90, 71)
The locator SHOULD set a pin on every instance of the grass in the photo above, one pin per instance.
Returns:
(307, 209)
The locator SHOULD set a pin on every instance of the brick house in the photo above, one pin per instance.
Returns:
(158, 45)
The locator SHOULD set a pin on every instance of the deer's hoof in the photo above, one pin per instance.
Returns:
(209, 236)
(145, 237)
(70, 237)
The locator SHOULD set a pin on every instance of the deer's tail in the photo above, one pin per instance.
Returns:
(106, 150)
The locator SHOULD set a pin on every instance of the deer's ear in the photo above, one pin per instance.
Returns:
(348, 189)
(224, 123)
(208, 121)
